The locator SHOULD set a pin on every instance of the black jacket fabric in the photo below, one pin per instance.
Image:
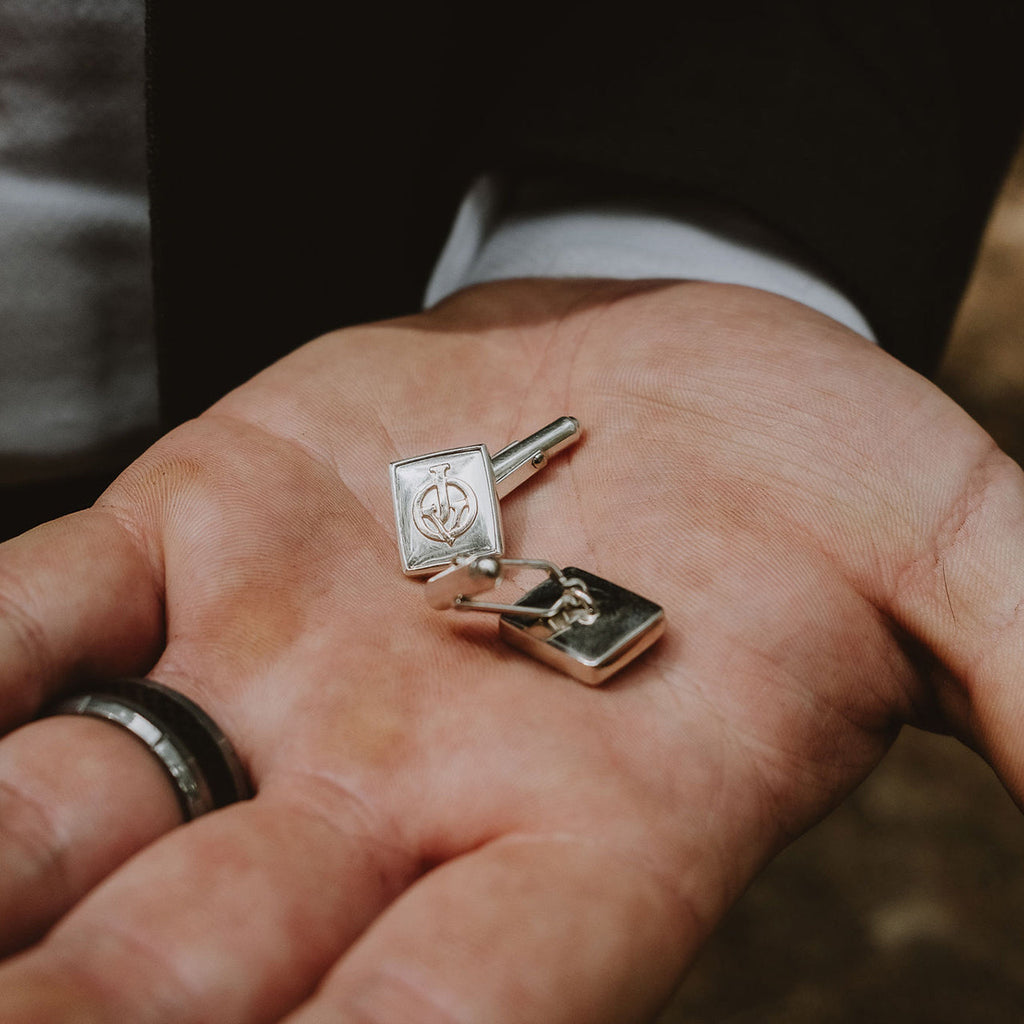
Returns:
(306, 161)
(306, 164)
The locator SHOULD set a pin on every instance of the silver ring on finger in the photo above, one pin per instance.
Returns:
(199, 759)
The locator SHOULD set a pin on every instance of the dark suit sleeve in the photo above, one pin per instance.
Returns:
(303, 173)
(873, 135)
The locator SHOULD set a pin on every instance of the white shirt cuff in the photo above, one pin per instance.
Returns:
(698, 242)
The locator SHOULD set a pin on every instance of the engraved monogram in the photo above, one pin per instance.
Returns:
(444, 507)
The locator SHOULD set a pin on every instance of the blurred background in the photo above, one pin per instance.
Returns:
(906, 906)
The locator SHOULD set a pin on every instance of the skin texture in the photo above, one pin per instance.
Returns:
(445, 831)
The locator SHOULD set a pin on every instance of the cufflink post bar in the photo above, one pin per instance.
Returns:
(457, 586)
(521, 459)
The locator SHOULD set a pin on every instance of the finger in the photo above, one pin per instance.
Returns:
(77, 798)
(78, 596)
(961, 594)
(551, 930)
(234, 917)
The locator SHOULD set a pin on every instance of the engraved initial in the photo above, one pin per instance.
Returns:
(444, 507)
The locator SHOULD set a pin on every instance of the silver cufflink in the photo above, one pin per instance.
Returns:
(576, 622)
(446, 503)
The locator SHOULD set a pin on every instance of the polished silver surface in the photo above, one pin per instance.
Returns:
(186, 774)
(589, 648)
(457, 586)
(445, 507)
(446, 503)
(199, 758)
(577, 622)
(521, 459)
(451, 587)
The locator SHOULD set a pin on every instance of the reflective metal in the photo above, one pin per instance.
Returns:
(446, 503)
(592, 648)
(521, 459)
(577, 622)
(203, 765)
(193, 791)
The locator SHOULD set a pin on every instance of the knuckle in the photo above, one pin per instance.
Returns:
(385, 994)
(23, 642)
(31, 846)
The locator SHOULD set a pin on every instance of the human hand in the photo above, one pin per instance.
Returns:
(445, 830)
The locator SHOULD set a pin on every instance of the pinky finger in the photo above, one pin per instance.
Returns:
(521, 930)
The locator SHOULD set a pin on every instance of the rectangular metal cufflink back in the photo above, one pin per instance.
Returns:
(579, 623)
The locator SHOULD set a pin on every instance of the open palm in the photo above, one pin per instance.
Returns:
(443, 829)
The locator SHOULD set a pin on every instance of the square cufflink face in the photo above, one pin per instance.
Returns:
(626, 625)
(446, 507)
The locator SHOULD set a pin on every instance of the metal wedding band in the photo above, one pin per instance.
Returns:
(199, 758)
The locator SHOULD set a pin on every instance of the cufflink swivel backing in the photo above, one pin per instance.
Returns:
(574, 621)
(446, 503)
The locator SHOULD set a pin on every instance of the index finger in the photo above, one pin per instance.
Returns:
(79, 597)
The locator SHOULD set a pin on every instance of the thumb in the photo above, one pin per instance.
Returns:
(962, 598)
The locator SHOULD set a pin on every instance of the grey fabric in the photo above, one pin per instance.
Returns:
(77, 362)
